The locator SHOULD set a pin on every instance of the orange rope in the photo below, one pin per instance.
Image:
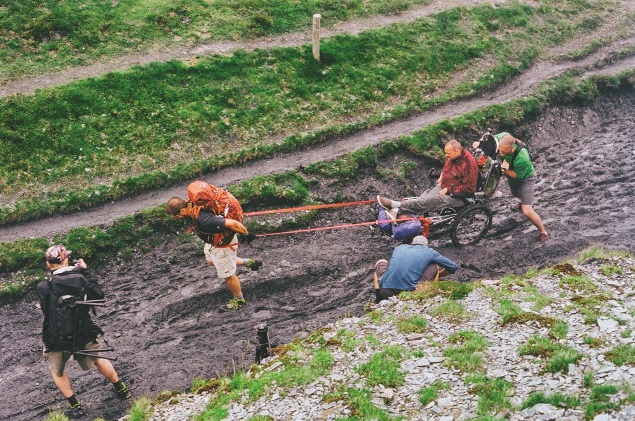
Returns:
(311, 207)
(358, 224)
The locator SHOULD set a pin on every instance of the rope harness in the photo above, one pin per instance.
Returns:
(425, 222)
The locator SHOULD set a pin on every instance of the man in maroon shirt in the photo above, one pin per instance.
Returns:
(457, 180)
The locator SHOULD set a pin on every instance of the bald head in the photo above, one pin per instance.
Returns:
(453, 144)
(506, 144)
(452, 149)
(175, 205)
(507, 141)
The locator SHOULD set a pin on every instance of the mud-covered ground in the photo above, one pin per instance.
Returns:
(163, 317)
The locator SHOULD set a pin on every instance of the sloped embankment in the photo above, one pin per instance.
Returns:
(555, 344)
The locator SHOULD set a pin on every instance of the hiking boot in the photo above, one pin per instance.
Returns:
(74, 411)
(124, 392)
(235, 304)
(253, 264)
(384, 201)
(544, 236)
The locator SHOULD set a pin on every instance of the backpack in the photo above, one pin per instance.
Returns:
(69, 326)
(221, 203)
(489, 144)
(402, 230)
(215, 199)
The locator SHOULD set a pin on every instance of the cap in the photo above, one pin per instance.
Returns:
(57, 253)
(420, 239)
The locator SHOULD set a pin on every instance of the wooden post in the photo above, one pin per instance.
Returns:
(316, 36)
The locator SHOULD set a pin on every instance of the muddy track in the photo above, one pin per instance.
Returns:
(523, 85)
(162, 315)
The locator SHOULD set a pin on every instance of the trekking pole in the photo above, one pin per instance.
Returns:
(90, 353)
(93, 303)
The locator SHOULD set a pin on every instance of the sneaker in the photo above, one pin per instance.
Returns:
(544, 236)
(254, 264)
(236, 304)
(384, 202)
(74, 411)
(124, 392)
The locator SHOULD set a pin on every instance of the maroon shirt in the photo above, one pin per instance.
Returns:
(460, 175)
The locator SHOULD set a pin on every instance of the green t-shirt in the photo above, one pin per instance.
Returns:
(522, 164)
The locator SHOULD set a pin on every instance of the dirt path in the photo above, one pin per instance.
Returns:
(162, 313)
(523, 85)
(185, 53)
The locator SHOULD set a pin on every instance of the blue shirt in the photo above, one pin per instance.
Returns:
(408, 262)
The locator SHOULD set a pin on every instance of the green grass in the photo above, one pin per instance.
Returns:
(492, 394)
(559, 330)
(449, 289)
(450, 310)
(295, 373)
(360, 402)
(43, 36)
(141, 410)
(465, 354)
(384, 367)
(133, 131)
(431, 393)
(622, 354)
(56, 416)
(578, 284)
(557, 357)
(414, 324)
(593, 342)
(556, 399)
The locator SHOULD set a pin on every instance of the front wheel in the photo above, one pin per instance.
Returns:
(470, 225)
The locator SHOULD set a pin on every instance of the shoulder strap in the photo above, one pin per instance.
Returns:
(519, 146)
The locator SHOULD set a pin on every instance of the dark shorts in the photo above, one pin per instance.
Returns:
(523, 189)
(429, 273)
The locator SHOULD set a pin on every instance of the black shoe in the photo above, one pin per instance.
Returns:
(74, 411)
(124, 392)
(254, 264)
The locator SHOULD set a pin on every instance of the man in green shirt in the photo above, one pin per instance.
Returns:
(521, 175)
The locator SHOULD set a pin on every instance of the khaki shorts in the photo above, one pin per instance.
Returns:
(57, 359)
(224, 259)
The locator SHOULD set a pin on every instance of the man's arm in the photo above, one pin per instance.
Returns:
(235, 226)
(444, 262)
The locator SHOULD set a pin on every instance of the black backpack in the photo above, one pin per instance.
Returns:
(69, 326)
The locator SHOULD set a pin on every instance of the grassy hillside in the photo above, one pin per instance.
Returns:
(45, 36)
(128, 132)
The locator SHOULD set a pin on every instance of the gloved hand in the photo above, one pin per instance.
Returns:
(246, 238)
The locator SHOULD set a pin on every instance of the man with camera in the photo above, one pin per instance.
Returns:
(62, 299)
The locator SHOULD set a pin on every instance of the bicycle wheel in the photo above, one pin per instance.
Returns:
(470, 225)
